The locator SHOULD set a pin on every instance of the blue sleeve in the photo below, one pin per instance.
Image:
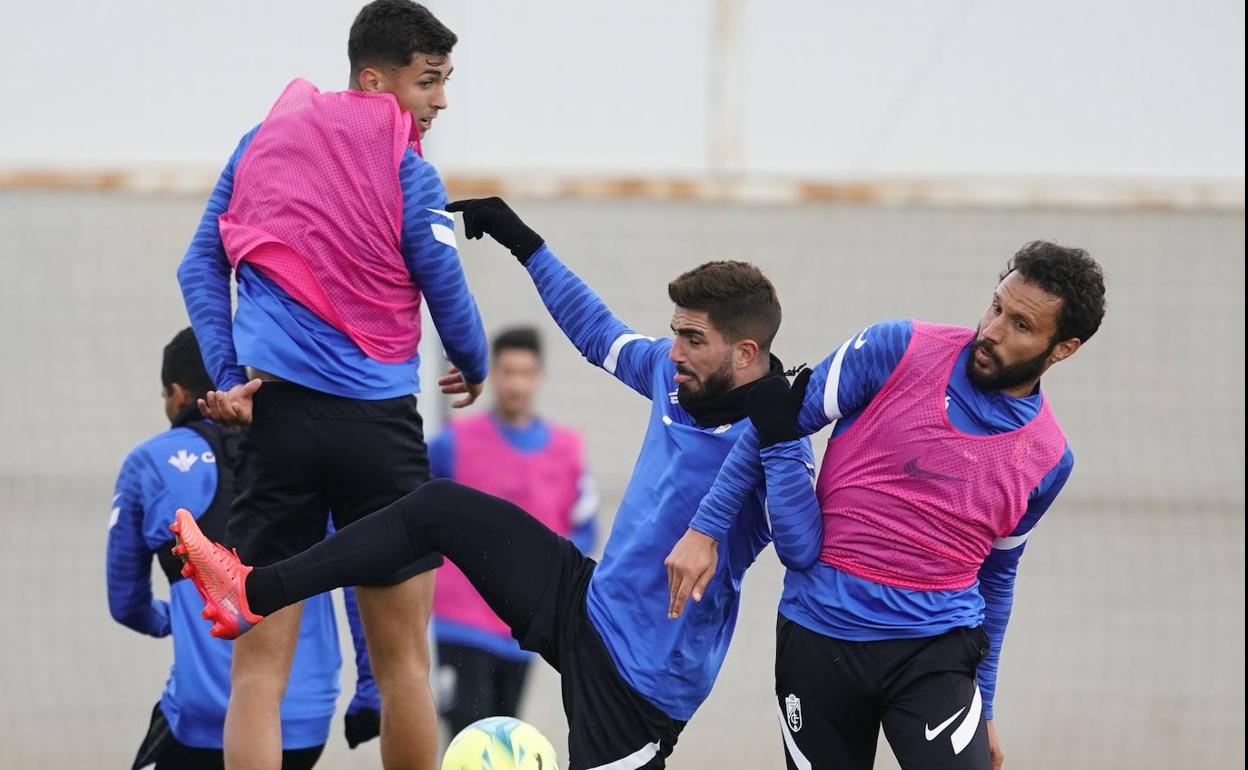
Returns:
(366, 694)
(996, 576)
(792, 507)
(738, 476)
(602, 339)
(129, 567)
(429, 250)
(788, 470)
(846, 381)
(442, 456)
(204, 277)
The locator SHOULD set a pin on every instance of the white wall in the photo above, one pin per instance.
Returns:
(921, 88)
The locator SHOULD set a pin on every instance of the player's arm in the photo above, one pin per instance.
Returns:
(362, 722)
(129, 572)
(770, 451)
(997, 575)
(842, 383)
(429, 250)
(204, 277)
(602, 338)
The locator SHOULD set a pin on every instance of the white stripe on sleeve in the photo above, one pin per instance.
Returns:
(444, 234)
(613, 355)
(831, 389)
(1012, 542)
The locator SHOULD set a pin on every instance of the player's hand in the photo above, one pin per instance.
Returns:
(231, 408)
(773, 406)
(360, 725)
(690, 567)
(453, 383)
(994, 747)
(493, 217)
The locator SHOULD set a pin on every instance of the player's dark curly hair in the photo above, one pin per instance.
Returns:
(1067, 273)
(388, 32)
(183, 364)
(517, 338)
(738, 299)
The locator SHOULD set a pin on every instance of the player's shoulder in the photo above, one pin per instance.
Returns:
(173, 451)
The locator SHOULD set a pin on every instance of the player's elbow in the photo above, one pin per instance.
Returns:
(798, 559)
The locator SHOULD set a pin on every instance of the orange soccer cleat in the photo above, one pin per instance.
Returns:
(218, 575)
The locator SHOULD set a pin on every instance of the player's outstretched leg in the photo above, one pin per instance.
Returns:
(507, 555)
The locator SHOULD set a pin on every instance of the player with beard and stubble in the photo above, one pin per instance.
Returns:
(944, 456)
(631, 678)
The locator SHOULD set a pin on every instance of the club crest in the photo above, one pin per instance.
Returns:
(793, 711)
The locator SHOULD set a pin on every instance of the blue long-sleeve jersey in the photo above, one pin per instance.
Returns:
(533, 437)
(672, 663)
(177, 469)
(837, 604)
(274, 333)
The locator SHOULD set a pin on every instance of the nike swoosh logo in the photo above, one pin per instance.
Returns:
(862, 340)
(913, 470)
(930, 734)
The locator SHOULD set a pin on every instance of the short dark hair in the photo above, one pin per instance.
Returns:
(389, 32)
(183, 364)
(739, 300)
(1069, 274)
(517, 338)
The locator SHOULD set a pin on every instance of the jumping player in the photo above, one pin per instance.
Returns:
(336, 229)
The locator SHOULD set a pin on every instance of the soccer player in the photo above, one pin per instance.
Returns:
(190, 465)
(335, 228)
(944, 457)
(511, 453)
(631, 679)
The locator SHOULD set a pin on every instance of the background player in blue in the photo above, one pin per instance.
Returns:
(511, 452)
(631, 678)
(335, 428)
(189, 465)
(1049, 301)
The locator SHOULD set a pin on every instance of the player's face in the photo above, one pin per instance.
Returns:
(516, 376)
(176, 399)
(1016, 338)
(702, 356)
(420, 87)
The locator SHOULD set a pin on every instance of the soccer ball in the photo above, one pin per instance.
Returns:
(500, 743)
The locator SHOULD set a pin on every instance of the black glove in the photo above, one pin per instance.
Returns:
(360, 726)
(773, 405)
(495, 218)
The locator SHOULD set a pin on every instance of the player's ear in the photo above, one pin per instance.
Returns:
(370, 79)
(1063, 350)
(746, 353)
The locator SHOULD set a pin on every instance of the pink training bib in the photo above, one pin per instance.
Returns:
(317, 207)
(544, 483)
(910, 501)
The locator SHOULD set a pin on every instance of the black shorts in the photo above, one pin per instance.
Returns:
(307, 454)
(832, 697)
(161, 751)
(609, 723)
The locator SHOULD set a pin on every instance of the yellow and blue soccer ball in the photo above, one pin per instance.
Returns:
(500, 743)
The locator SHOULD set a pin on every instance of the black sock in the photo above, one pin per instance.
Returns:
(265, 592)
